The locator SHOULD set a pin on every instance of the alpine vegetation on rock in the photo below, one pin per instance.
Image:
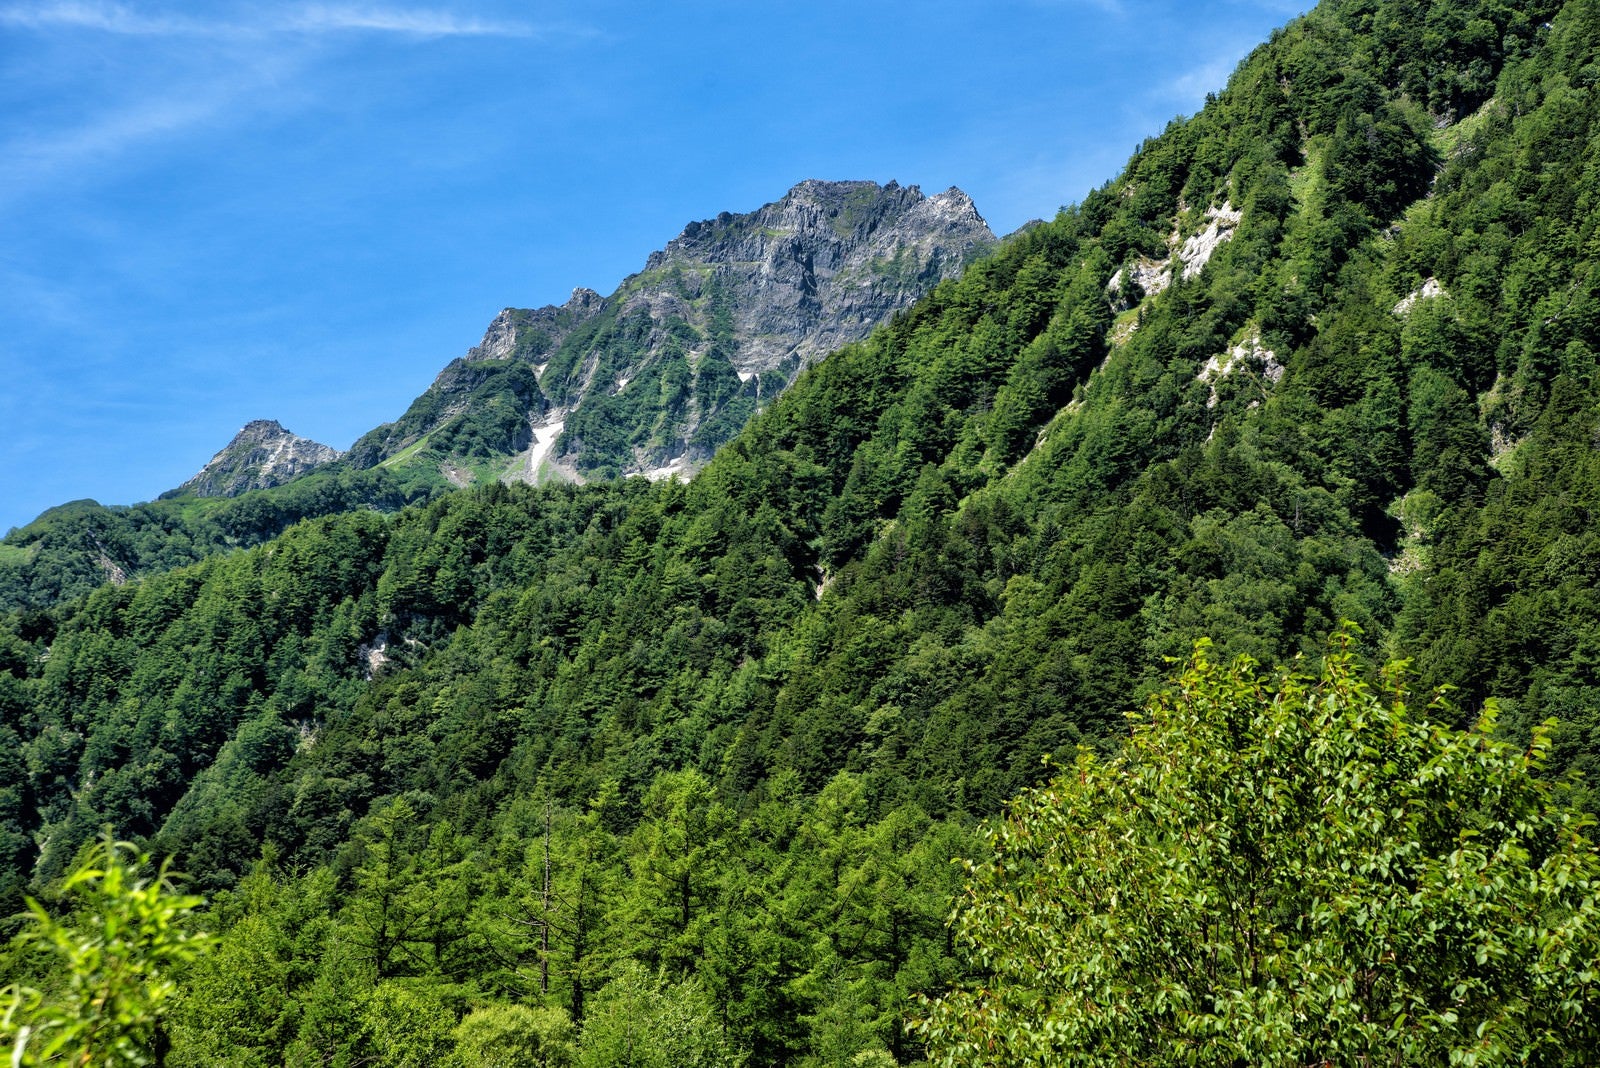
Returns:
(651, 379)
(261, 455)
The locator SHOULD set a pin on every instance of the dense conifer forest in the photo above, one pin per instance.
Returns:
(675, 773)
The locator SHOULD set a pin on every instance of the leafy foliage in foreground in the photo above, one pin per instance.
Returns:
(1284, 870)
(110, 964)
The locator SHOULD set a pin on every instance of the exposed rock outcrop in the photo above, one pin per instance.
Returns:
(532, 333)
(651, 379)
(261, 455)
(1249, 354)
(1429, 289)
(819, 268)
(1151, 276)
(734, 307)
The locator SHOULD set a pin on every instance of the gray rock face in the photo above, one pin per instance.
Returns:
(501, 369)
(651, 379)
(823, 266)
(531, 333)
(261, 455)
(726, 315)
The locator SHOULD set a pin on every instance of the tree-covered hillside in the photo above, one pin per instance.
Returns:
(692, 759)
(650, 379)
(74, 548)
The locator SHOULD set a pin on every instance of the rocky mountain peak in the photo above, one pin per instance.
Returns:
(826, 215)
(652, 378)
(954, 207)
(499, 339)
(821, 266)
(261, 454)
(530, 332)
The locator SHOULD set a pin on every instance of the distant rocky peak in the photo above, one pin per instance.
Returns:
(822, 265)
(261, 455)
(529, 332)
(952, 206)
(652, 378)
(841, 213)
(500, 338)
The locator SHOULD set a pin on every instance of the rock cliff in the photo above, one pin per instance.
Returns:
(262, 454)
(532, 333)
(819, 268)
(651, 379)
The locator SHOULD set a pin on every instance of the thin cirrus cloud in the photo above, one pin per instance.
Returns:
(235, 70)
(31, 160)
(306, 19)
(420, 23)
(1208, 77)
(104, 18)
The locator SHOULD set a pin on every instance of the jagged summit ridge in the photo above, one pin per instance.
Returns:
(820, 267)
(500, 340)
(651, 379)
(850, 210)
(261, 455)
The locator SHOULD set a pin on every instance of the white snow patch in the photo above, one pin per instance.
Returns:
(1426, 291)
(622, 383)
(676, 467)
(544, 439)
(745, 376)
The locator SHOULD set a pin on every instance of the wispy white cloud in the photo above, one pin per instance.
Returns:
(114, 18)
(213, 71)
(35, 159)
(1193, 84)
(102, 17)
(47, 300)
(105, 136)
(412, 21)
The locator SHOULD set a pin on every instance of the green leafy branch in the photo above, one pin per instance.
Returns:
(109, 963)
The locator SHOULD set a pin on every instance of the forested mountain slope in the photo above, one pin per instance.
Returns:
(73, 548)
(1324, 351)
(648, 380)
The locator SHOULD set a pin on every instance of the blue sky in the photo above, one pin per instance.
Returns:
(212, 213)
